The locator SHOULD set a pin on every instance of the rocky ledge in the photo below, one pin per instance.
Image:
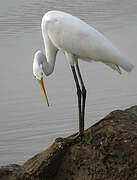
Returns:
(108, 151)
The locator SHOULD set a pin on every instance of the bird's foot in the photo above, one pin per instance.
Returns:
(74, 138)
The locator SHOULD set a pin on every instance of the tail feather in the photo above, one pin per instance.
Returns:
(119, 59)
(112, 55)
(125, 63)
(114, 67)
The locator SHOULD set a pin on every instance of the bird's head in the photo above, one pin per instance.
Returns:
(38, 72)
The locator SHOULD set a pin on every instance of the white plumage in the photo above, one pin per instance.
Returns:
(77, 40)
(72, 35)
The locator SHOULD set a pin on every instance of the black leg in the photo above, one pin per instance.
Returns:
(83, 96)
(79, 100)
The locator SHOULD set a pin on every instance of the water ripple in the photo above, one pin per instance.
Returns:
(26, 16)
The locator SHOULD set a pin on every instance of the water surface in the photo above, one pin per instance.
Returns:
(27, 125)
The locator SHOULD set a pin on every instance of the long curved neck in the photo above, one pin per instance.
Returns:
(50, 50)
(47, 66)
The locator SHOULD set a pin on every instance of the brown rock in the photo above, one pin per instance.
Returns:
(107, 152)
(10, 172)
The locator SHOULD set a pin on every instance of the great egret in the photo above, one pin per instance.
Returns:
(77, 40)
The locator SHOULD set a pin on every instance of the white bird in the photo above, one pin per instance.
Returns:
(77, 40)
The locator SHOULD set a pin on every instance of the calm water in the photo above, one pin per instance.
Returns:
(27, 125)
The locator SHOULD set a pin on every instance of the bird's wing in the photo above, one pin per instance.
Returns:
(74, 36)
(114, 67)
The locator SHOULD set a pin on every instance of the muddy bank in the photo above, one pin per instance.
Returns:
(107, 152)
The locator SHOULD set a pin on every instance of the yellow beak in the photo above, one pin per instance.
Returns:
(43, 89)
